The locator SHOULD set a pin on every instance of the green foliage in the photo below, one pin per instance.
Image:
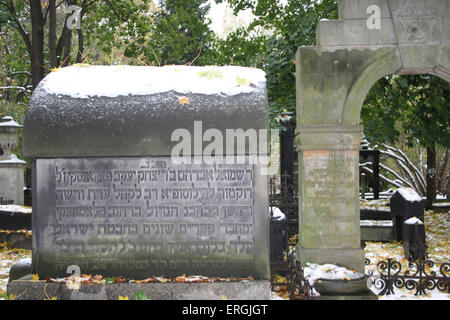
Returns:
(140, 295)
(239, 48)
(5, 296)
(180, 33)
(17, 111)
(109, 280)
(121, 24)
(415, 105)
(293, 24)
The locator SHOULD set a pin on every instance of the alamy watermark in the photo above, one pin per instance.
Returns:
(74, 20)
(374, 20)
(229, 146)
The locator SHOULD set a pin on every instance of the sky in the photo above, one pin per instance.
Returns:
(223, 20)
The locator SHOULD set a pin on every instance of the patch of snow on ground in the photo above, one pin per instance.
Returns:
(15, 208)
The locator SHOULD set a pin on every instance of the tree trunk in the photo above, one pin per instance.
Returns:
(37, 42)
(441, 173)
(52, 34)
(80, 33)
(431, 177)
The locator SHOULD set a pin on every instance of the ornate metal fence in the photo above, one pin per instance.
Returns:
(283, 196)
(419, 276)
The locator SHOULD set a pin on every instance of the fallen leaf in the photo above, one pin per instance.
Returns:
(241, 81)
(210, 74)
(184, 100)
(123, 298)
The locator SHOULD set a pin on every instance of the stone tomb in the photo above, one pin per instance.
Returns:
(109, 198)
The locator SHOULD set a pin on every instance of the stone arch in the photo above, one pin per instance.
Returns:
(377, 69)
(333, 79)
(381, 67)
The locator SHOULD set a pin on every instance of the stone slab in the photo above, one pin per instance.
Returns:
(12, 182)
(14, 220)
(369, 214)
(17, 240)
(139, 217)
(41, 290)
(341, 287)
(376, 233)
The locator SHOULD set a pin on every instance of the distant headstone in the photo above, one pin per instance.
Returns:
(109, 195)
(414, 240)
(405, 203)
(20, 269)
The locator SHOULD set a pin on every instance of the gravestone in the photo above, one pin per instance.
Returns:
(405, 203)
(414, 239)
(11, 168)
(109, 195)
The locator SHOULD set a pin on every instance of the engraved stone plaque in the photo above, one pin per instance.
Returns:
(137, 217)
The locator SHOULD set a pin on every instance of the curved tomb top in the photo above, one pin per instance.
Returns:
(83, 110)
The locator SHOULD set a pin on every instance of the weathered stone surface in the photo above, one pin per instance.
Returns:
(351, 258)
(329, 208)
(107, 196)
(62, 125)
(18, 240)
(341, 287)
(138, 217)
(333, 80)
(250, 290)
(20, 269)
(12, 181)
(11, 220)
(376, 233)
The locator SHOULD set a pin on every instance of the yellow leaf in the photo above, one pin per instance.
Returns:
(241, 81)
(224, 298)
(210, 74)
(124, 298)
(184, 100)
(35, 277)
(163, 280)
(346, 278)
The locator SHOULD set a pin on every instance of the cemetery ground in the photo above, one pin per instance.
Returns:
(437, 226)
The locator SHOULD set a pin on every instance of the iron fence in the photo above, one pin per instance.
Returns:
(419, 276)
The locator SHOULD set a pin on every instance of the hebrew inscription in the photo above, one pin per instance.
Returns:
(150, 215)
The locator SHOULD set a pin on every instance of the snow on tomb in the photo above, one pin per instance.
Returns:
(405, 203)
(109, 197)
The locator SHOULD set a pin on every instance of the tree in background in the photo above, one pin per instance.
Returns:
(415, 108)
(46, 28)
(292, 24)
(180, 33)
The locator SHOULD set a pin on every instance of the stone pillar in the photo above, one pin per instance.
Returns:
(12, 181)
(329, 230)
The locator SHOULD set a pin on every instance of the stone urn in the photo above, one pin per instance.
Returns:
(9, 136)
